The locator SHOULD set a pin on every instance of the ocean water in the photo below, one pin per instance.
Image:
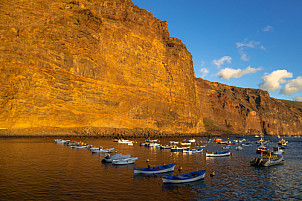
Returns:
(39, 169)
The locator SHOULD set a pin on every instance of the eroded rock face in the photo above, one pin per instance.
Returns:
(70, 65)
(230, 109)
(104, 63)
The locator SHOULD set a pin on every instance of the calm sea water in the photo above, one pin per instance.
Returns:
(38, 169)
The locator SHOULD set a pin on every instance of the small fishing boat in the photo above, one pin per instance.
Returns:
(183, 178)
(218, 154)
(108, 158)
(173, 142)
(267, 159)
(86, 146)
(277, 150)
(144, 144)
(261, 149)
(185, 143)
(124, 161)
(124, 141)
(166, 147)
(179, 149)
(247, 144)
(153, 144)
(95, 148)
(101, 150)
(155, 170)
(198, 150)
(227, 147)
(239, 148)
(192, 140)
(60, 141)
(217, 140)
(282, 142)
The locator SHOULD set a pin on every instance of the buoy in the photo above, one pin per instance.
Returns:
(180, 168)
(115, 151)
(212, 174)
(147, 160)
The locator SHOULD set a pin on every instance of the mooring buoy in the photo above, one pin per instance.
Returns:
(212, 174)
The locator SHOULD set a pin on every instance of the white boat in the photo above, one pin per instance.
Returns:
(155, 170)
(153, 144)
(183, 178)
(218, 154)
(185, 143)
(192, 140)
(108, 158)
(239, 148)
(86, 146)
(95, 148)
(124, 161)
(124, 141)
(101, 150)
(277, 150)
(173, 142)
(60, 141)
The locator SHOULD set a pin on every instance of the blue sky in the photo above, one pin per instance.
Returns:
(243, 43)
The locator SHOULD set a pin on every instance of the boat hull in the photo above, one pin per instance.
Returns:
(155, 170)
(184, 178)
(218, 154)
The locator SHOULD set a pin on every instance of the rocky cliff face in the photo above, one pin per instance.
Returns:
(227, 109)
(78, 65)
(105, 63)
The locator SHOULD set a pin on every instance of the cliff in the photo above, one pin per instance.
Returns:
(108, 66)
(104, 64)
(227, 109)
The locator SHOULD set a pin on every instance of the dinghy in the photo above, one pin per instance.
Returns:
(267, 159)
(218, 154)
(108, 158)
(124, 161)
(183, 178)
(101, 150)
(155, 170)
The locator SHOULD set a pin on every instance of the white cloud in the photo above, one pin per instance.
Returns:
(229, 73)
(273, 81)
(221, 61)
(204, 72)
(293, 86)
(298, 98)
(243, 46)
(244, 57)
(268, 28)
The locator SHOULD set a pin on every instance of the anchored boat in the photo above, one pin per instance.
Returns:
(183, 178)
(155, 170)
(268, 159)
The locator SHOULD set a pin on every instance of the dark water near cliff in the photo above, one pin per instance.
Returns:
(38, 169)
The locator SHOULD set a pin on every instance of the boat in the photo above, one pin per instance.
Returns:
(60, 141)
(101, 150)
(261, 149)
(144, 144)
(282, 142)
(217, 140)
(218, 154)
(267, 159)
(85, 146)
(227, 147)
(188, 151)
(166, 147)
(277, 150)
(124, 141)
(155, 170)
(108, 158)
(183, 178)
(246, 144)
(124, 161)
(173, 142)
(153, 144)
(198, 150)
(192, 140)
(178, 149)
(239, 148)
(95, 148)
(185, 143)
(283, 146)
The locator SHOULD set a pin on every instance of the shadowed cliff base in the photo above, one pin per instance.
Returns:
(99, 132)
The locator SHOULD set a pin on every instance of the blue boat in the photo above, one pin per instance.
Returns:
(155, 170)
(183, 178)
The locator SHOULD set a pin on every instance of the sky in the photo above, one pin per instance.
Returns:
(244, 43)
